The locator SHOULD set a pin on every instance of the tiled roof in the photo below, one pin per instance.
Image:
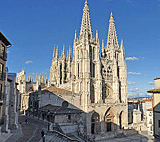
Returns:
(59, 109)
(151, 109)
(148, 100)
(54, 89)
(157, 78)
(154, 91)
(4, 39)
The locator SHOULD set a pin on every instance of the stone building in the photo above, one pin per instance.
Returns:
(4, 44)
(100, 80)
(26, 87)
(9, 95)
(156, 108)
(49, 104)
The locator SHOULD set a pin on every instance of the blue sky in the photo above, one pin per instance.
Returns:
(35, 27)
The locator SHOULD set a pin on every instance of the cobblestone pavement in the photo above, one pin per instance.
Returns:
(31, 132)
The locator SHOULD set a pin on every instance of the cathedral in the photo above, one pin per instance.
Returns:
(99, 77)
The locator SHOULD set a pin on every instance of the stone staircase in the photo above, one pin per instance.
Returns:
(65, 86)
(55, 136)
(121, 135)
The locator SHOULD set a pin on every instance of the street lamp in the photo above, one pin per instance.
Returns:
(48, 118)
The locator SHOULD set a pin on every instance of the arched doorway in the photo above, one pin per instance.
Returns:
(121, 120)
(110, 120)
(95, 124)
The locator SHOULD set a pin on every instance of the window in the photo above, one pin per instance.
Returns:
(92, 97)
(78, 70)
(1, 71)
(1, 68)
(69, 117)
(93, 53)
(93, 75)
(0, 91)
(159, 123)
(2, 49)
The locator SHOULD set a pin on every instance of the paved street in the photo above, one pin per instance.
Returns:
(30, 132)
(133, 138)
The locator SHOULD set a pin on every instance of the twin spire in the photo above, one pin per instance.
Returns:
(86, 30)
(112, 41)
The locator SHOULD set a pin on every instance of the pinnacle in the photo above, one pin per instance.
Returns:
(112, 36)
(111, 20)
(86, 23)
(86, 2)
(111, 14)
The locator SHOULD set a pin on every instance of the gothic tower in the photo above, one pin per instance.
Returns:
(86, 73)
(98, 83)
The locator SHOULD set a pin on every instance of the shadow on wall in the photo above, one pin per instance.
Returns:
(88, 125)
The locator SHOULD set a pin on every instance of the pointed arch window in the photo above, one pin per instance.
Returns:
(93, 53)
(109, 73)
(78, 69)
(92, 97)
(109, 70)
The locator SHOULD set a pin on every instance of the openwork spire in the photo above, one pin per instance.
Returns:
(122, 50)
(112, 41)
(86, 30)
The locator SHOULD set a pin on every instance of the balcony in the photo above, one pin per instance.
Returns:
(3, 56)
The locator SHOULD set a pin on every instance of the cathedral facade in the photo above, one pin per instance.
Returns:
(100, 80)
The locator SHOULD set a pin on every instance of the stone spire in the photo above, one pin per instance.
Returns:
(86, 30)
(112, 41)
(57, 52)
(53, 53)
(63, 53)
(102, 53)
(36, 77)
(70, 52)
(75, 37)
(97, 39)
(122, 54)
(67, 55)
(122, 50)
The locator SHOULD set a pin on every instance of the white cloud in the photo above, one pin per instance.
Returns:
(47, 69)
(134, 90)
(151, 83)
(132, 58)
(131, 83)
(8, 51)
(134, 73)
(28, 62)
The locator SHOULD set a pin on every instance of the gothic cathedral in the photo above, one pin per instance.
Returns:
(101, 80)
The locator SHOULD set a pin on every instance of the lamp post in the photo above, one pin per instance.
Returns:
(48, 118)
